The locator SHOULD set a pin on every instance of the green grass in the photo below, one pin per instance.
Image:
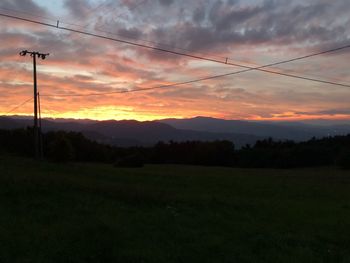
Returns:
(98, 213)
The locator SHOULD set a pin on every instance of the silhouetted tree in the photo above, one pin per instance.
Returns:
(343, 159)
(60, 149)
(73, 146)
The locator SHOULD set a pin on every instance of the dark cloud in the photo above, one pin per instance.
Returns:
(221, 24)
(199, 14)
(166, 2)
(331, 112)
(225, 16)
(132, 33)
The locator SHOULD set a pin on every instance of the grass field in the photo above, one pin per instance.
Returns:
(98, 213)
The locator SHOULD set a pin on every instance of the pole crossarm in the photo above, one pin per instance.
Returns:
(34, 53)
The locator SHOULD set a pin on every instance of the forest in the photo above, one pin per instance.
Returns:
(60, 146)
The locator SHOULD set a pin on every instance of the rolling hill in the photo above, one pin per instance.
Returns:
(279, 130)
(134, 133)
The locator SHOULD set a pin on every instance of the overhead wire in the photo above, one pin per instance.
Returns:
(204, 78)
(18, 106)
(171, 46)
(226, 59)
(102, 30)
(168, 45)
(112, 33)
(260, 68)
(179, 53)
(27, 13)
(213, 77)
(181, 83)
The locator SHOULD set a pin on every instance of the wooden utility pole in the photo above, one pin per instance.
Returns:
(37, 146)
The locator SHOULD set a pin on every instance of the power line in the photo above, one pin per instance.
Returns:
(173, 85)
(114, 34)
(159, 44)
(26, 13)
(138, 90)
(226, 59)
(211, 77)
(18, 106)
(184, 54)
(146, 41)
(141, 45)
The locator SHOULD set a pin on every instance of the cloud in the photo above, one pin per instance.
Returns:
(24, 6)
(329, 112)
(78, 9)
(166, 2)
(233, 24)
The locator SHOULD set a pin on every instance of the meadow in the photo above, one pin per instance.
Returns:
(80, 212)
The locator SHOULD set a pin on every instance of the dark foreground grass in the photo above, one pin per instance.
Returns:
(97, 213)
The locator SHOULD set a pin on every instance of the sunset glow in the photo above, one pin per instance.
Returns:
(251, 33)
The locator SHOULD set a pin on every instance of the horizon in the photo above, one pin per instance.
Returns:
(249, 33)
(320, 121)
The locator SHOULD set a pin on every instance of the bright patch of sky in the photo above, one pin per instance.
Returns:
(57, 7)
(54, 7)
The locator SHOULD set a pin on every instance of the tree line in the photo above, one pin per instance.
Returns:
(63, 146)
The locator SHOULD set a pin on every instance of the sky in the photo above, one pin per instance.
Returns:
(250, 33)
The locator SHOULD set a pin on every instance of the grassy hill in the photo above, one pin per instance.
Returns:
(98, 213)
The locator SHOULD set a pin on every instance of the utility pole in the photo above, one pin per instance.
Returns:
(41, 143)
(36, 130)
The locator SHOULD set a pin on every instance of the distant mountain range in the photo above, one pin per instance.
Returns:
(279, 130)
(134, 133)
